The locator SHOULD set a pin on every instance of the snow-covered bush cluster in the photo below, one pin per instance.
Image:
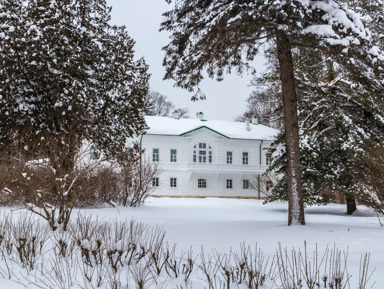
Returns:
(101, 254)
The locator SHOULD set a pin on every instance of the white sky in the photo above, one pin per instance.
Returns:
(225, 100)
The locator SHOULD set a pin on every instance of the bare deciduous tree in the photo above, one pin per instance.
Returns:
(136, 174)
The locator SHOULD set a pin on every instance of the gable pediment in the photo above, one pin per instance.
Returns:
(203, 128)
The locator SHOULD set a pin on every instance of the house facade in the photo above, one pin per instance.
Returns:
(207, 158)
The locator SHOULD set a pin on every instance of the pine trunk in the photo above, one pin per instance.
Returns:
(295, 197)
(351, 205)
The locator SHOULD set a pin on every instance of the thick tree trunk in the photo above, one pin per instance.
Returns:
(295, 197)
(351, 205)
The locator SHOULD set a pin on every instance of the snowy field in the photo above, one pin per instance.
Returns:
(223, 224)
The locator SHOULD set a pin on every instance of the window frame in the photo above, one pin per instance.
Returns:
(155, 182)
(229, 184)
(173, 156)
(202, 153)
(245, 158)
(245, 184)
(155, 155)
(173, 182)
(229, 157)
(202, 183)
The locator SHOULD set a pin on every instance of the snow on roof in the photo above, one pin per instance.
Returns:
(171, 126)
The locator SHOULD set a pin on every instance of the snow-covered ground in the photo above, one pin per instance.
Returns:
(223, 224)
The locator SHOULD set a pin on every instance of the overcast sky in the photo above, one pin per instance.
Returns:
(225, 99)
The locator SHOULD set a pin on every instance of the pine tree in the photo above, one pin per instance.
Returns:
(221, 35)
(67, 75)
(341, 116)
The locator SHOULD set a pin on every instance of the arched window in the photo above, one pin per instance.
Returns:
(202, 153)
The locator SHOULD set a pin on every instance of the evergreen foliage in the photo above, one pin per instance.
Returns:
(341, 116)
(218, 36)
(67, 75)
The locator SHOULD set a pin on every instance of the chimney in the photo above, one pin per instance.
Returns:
(247, 126)
(200, 115)
(176, 114)
(255, 120)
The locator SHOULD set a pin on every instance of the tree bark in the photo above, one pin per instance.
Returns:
(351, 205)
(295, 196)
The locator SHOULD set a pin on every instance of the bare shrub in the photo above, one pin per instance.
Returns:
(253, 268)
(53, 196)
(337, 275)
(61, 274)
(12, 163)
(141, 273)
(88, 234)
(210, 269)
(364, 272)
(130, 254)
(135, 178)
(28, 238)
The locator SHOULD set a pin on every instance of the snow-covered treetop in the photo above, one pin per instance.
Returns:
(65, 72)
(220, 35)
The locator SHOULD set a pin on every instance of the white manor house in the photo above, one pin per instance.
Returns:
(207, 158)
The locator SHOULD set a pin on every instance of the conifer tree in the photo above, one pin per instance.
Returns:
(218, 36)
(340, 119)
(67, 75)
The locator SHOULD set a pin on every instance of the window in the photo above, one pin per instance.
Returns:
(155, 182)
(229, 184)
(268, 161)
(94, 152)
(229, 157)
(246, 184)
(245, 158)
(173, 156)
(202, 153)
(268, 186)
(201, 183)
(155, 155)
(173, 183)
(202, 156)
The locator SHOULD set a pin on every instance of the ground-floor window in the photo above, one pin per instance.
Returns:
(245, 184)
(229, 184)
(155, 182)
(268, 186)
(201, 183)
(173, 182)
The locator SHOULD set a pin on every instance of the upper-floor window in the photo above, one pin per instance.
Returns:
(245, 158)
(173, 182)
(155, 155)
(201, 183)
(229, 157)
(173, 155)
(268, 161)
(202, 153)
